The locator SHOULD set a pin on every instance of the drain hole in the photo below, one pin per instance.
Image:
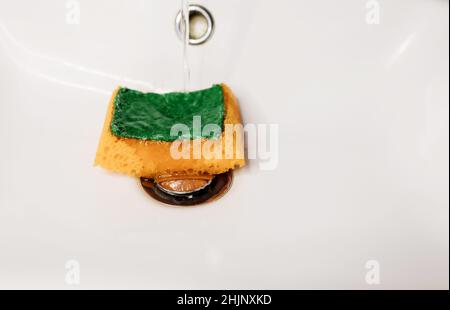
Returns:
(198, 25)
(201, 25)
(215, 189)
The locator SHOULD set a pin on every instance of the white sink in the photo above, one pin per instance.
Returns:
(363, 172)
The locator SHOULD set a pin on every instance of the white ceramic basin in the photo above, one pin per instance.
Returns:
(362, 176)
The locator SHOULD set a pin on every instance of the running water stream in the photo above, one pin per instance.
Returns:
(186, 37)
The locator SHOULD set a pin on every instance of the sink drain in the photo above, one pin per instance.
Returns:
(176, 195)
(201, 25)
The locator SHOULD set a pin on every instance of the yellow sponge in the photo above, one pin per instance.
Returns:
(151, 159)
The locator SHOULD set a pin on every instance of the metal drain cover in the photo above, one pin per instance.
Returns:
(201, 25)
